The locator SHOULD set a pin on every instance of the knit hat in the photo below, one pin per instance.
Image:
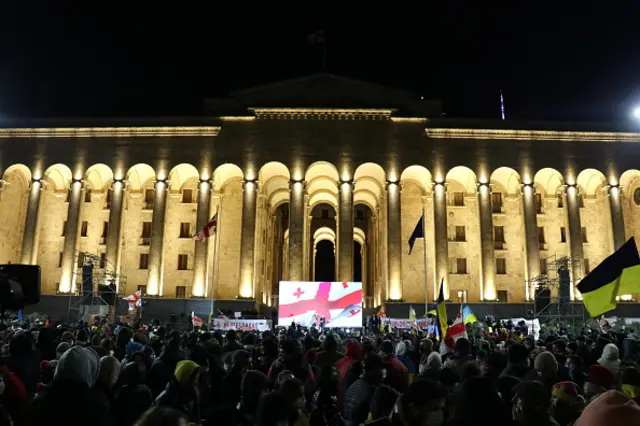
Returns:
(79, 364)
(133, 347)
(184, 370)
(612, 409)
(565, 391)
(600, 376)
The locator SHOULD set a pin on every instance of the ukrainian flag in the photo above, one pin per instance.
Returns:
(618, 274)
(441, 309)
(412, 314)
(469, 316)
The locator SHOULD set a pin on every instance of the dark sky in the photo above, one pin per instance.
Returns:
(575, 62)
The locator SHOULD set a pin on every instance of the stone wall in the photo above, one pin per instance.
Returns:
(412, 264)
(134, 216)
(53, 214)
(512, 219)
(228, 260)
(596, 217)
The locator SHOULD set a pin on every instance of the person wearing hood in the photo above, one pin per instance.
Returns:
(76, 373)
(232, 383)
(397, 375)
(402, 353)
(163, 367)
(182, 391)
(107, 376)
(352, 355)
(610, 358)
(329, 354)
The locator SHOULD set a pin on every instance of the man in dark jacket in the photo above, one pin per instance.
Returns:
(358, 397)
(75, 374)
(518, 363)
(329, 353)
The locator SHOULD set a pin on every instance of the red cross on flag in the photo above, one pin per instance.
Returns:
(134, 300)
(456, 330)
(340, 303)
(209, 229)
(197, 321)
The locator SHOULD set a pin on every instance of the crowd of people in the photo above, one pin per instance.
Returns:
(117, 375)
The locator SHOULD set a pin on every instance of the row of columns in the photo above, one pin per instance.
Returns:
(297, 233)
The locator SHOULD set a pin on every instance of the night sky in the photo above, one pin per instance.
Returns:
(575, 62)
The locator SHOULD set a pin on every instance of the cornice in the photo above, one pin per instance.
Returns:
(106, 132)
(322, 113)
(546, 135)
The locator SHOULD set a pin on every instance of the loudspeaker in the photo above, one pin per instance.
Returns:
(87, 279)
(543, 299)
(107, 293)
(19, 285)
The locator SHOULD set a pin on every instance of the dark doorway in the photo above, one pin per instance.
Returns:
(357, 262)
(325, 262)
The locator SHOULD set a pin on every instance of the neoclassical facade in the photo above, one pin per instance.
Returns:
(318, 178)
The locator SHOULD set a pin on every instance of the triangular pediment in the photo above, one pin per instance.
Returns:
(323, 90)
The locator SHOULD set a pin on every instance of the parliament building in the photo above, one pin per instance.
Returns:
(315, 179)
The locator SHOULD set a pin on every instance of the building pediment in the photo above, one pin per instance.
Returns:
(323, 92)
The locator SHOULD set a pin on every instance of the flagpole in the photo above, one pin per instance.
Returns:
(424, 241)
(216, 246)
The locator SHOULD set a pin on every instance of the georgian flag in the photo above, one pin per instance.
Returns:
(300, 302)
(195, 320)
(134, 300)
(456, 330)
(209, 229)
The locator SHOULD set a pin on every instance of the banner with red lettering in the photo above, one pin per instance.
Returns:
(240, 324)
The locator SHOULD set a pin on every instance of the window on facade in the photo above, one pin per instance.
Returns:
(503, 296)
(587, 268)
(64, 229)
(458, 265)
(187, 196)
(496, 202)
(103, 260)
(584, 235)
(181, 292)
(183, 261)
(325, 213)
(498, 237)
(541, 238)
(185, 230)
(461, 296)
(143, 290)
(563, 234)
(60, 255)
(87, 195)
(501, 266)
(107, 201)
(144, 261)
(543, 266)
(539, 203)
(458, 198)
(560, 199)
(461, 234)
(146, 234)
(581, 200)
(148, 199)
(84, 228)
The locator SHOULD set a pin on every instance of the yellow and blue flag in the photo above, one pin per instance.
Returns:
(441, 309)
(468, 316)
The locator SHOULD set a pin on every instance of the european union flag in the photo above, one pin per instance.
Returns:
(418, 232)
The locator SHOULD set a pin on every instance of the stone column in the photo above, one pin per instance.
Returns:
(394, 241)
(532, 246)
(296, 230)
(201, 250)
(575, 232)
(69, 255)
(156, 249)
(486, 243)
(114, 233)
(441, 240)
(617, 217)
(247, 242)
(345, 232)
(29, 253)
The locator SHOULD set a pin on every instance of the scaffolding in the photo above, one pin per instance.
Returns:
(92, 303)
(552, 295)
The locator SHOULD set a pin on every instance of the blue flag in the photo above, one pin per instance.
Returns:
(418, 232)
(20, 315)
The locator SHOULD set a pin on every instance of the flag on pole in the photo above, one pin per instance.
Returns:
(412, 314)
(617, 275)
(134, 300)
(456, 331)
(221, 314)
(209, 229)
(195, 320)
(418, 232)
(441, 309)
(468, 316)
